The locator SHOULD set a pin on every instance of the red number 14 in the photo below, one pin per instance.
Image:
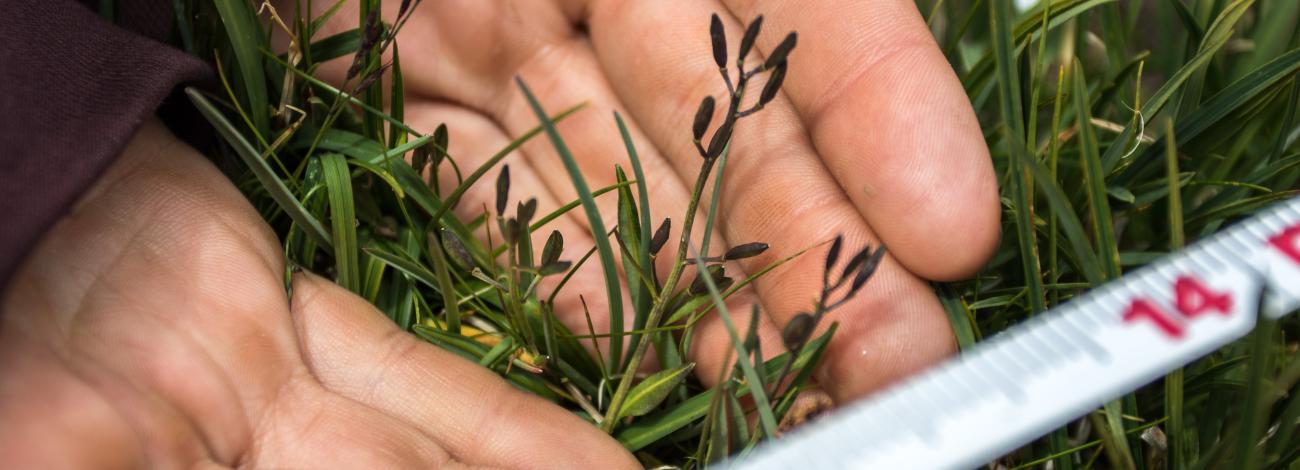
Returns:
(1191, 298)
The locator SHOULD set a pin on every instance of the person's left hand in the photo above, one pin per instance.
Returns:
(150, 329)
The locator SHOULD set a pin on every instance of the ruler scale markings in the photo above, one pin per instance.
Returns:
(1062, 363)
(1051, 335)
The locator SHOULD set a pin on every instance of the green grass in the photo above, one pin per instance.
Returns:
(1218, 75)
(1091, 189)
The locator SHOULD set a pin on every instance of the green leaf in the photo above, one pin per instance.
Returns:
(1121, 194)
(764, 408)
(245, 35)
(1095, 183)
(343, 220)
(649, 393)
(597, 226)
(1068, 219)
(959, 317)
(405, 265)
(337, 45)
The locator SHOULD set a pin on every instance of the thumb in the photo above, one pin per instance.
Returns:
(480, 419)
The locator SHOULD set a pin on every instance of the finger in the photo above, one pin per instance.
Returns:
(308, 422)
(777, 191)
(890, 120)
(352, 349)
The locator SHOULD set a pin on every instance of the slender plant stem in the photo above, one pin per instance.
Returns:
(657, 312)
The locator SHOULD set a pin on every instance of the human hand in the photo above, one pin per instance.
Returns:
(150, 328)
(872, 137)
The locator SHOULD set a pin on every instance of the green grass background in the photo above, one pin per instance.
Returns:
(1121, 130)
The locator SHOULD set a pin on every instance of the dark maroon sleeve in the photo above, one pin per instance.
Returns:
(73, 90)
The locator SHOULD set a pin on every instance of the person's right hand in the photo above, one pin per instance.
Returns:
(150, 329)
(870, 137)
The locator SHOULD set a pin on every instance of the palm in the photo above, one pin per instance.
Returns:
(872, 138)
(151, 328)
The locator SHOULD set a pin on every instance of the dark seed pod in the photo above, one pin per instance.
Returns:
(796, 332)
(554, 246)
(834, 254)
(782, 50)
(868, 269)
(720, 139)
(751, 337)
(439, 150)
(724, 283)
(555, 267)
(373, 30)
(403, 8)
(356, 65)
(748, 250)
(456, 250)
(420, 159)
(503, 189)
(855, 262)
(698, 286)
(371, 78)
(719, 41)
(751, 33)
(661, 236)
(526, 211)
(773, 84)
(703, 117)
(510, 231)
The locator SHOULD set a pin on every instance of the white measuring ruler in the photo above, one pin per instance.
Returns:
(1064, 363)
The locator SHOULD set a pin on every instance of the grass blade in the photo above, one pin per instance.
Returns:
(612, 288)
(1175, 433)
(755, 384)
(343, 220)
(245, 35)
(273, 185)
